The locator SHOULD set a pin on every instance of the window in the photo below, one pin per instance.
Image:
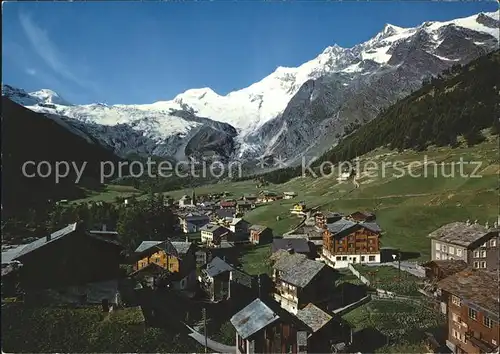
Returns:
(344, 258)
(455, 300)
(438, 255)
(438, 246)
(483, 264)
(351, 245)
(472, 314)
(362, 258)
(476, 264)
(340, 249)
(493, 242)
(484, 244)
(476, 254)
(443, 248)
(455, 317)
(371, 258)
(370, 248)
(451, 250)
(339, 258)
(483, 254)
(459, 252)
(487, 322)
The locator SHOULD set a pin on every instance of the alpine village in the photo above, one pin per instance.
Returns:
(279, 261)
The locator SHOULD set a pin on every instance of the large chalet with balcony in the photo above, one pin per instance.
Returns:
(475, 244)
(470, 301)
(347, 241)
(299, 281)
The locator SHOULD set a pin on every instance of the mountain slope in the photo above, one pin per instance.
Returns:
(291, 108)
(29, 136)
(462, 102)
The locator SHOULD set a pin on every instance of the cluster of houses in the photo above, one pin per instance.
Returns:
(463, 277)
(290, 310)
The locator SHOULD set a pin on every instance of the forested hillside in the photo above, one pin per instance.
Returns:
(30, 136)
(461, 101)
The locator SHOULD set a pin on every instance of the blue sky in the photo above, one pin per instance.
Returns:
(142, 52)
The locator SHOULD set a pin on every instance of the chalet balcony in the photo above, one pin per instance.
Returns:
(484, 347)
(286, 293)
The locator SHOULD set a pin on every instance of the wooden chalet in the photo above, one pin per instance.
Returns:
(263, 327)
(347, 241)
(299, 281)
(260, 235)
(178, 258)
(70, 256)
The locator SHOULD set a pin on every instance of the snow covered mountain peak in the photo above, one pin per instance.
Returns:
(50, 97)
(415, 52)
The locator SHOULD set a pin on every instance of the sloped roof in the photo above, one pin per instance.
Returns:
(340, 226)
(479, 287)
(284, 260)
(181, 246)
(448, 266)
(372, 226)
(217, 266)
(314, 317)
(303, 273)
(43, 240)
(459, 233)
(297, 269)
(299, 245)
(8, 255)
(145, 245)
(258, 228)
(254, 317)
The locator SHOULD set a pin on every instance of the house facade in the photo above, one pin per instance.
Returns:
(289, 195)
(323, 218)
(263, 327)
(178, 258)
(260, 235)
(215, 278)
(471, 305)
(359, 216)
(473, 243)
(348, 242)
(212, 234)
(192, 222)
(300, 281)
(298, 208)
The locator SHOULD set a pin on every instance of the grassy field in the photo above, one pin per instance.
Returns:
(388, 278)
(408, 208)
(110, 193)
(85, 330)
(383, 326)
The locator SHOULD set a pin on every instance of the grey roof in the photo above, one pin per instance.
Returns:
(302, 273)
(217, 266)
(8, 255)
(181, 246)
(43, 240)
(480, 287)
(175, 248)
(284, 260)
(253, 318)
(258, 228)
(372, 226)
(313, 317)
(213, 228)
(145, 245)
(340, 226)
(299, 245)
(460, 233)
(225, 213)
